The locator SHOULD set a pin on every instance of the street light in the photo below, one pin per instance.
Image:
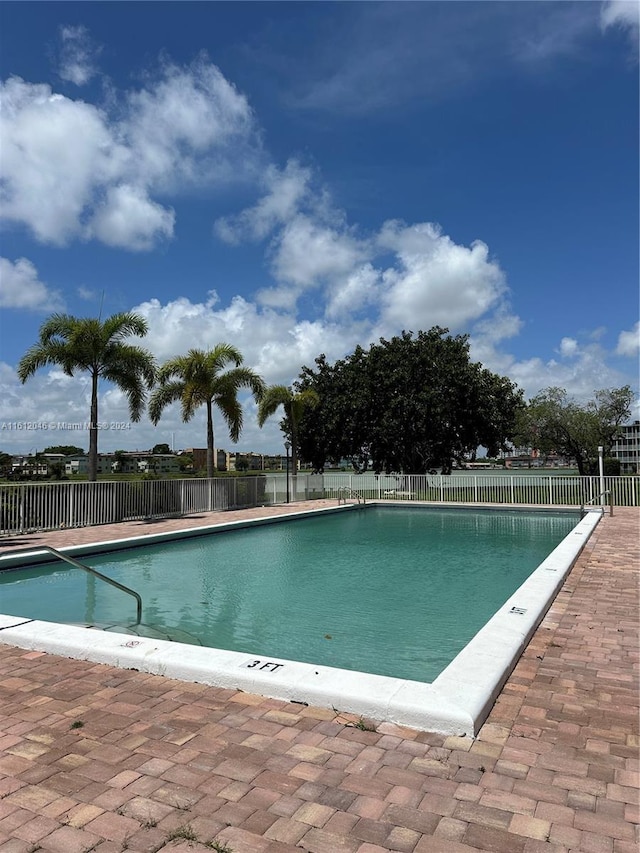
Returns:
(287, 447)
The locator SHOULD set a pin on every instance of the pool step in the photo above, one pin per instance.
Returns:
(174, 635)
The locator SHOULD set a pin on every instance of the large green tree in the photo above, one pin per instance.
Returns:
(408, 404)
(99, 348)
(199, 378)
(294, 404)
(161, 448)
(553, 422)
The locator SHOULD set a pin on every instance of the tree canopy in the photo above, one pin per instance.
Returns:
(555, 423)
(161, 448)
(409, 404)
(199, 379)
(67, 449)
(99, 348)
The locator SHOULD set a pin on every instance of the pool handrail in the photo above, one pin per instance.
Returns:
(343, 491)
(597, 498)
(89, 570)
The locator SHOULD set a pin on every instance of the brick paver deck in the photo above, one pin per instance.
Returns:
(97, 758)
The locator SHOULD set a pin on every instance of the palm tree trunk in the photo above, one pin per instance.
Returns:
(93, 430)
(211, 467)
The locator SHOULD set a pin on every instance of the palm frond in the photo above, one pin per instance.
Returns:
(162, 397)
(57, 326)
(222, 355)
(273, 397)
(132, 369)
(232, 414)
(124, 325)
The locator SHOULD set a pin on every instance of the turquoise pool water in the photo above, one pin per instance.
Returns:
(389, 590)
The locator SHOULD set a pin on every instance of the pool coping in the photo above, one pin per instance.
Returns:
(456, 702)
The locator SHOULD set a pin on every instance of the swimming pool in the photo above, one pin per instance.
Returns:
(313, 666)
(395, 591)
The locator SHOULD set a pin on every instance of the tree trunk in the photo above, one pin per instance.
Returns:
(93, 430)
(211, 467)
(581, 466)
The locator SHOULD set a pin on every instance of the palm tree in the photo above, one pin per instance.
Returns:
(294, 403)
(96, 347)
(198, 379)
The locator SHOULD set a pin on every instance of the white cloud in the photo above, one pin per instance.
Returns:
(275, 344)
(72, 170)
(390, 57)
(621, 13)
(562, 29)
(190, 125)
(498, 326)
(55, 151)
(284, 191)
(569, 347)
(86, 293)
(307, 252)
(20, 287)
(49, 397)
(581, 376)
(629, 342)
(76, 55)
(436, 281)
(360, 290)
(129, 219)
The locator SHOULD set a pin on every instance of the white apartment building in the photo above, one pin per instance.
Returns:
(626, 448)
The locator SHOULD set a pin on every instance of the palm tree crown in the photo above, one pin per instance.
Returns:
(199, 378)
(293, 404)
(97, 347)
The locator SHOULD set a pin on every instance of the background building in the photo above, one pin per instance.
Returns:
(626, 448)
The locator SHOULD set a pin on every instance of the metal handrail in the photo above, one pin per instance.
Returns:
(597, 498)
(352, 493)
(91, 571)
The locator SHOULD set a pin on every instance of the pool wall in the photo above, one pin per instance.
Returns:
(457, 702)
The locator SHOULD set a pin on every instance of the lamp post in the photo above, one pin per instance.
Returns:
(287, 447)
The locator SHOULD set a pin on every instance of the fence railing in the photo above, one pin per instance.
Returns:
(28, 507)
(532, 489)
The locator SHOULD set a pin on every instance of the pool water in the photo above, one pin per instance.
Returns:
(396, 591)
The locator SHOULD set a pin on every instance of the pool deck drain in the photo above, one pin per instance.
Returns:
(554, 768)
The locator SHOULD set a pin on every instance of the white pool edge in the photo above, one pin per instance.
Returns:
(456, 703)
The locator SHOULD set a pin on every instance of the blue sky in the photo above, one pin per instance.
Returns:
(297, 178)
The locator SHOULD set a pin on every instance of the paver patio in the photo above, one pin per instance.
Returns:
(97, 758)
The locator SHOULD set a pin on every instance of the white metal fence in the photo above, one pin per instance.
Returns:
(499, 488)
(49, 506)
